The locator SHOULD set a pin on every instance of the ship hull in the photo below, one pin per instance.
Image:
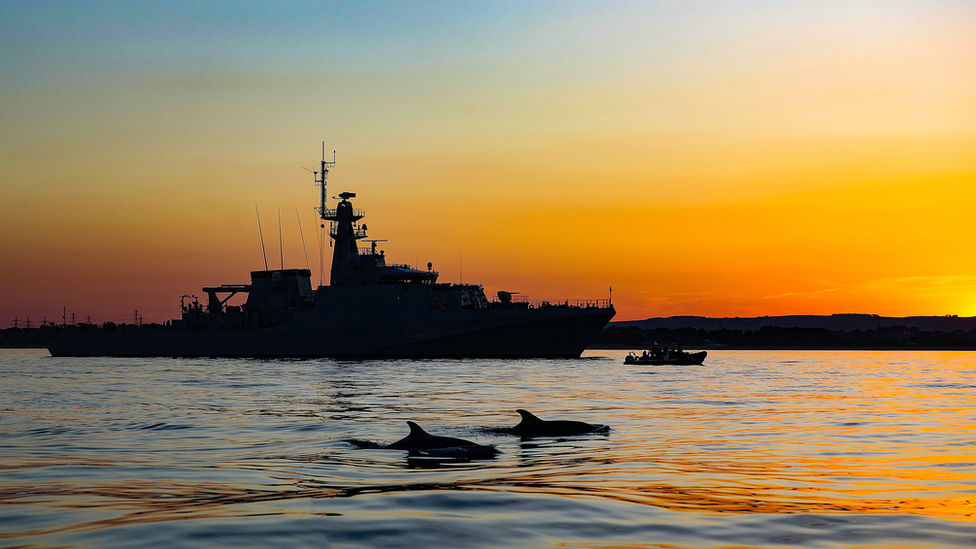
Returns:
(539, 333)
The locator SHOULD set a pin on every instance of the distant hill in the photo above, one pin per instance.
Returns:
(838, 332)
(836, 322)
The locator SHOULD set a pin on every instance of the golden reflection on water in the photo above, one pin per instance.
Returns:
(704, 487)
(715, 441)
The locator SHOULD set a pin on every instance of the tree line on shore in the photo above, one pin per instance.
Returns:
(772, 337)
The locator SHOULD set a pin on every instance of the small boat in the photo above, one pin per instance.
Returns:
(666, 355)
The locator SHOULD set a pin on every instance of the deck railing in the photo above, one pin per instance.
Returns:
(573, 303)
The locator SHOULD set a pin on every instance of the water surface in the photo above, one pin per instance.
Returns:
(752, 449)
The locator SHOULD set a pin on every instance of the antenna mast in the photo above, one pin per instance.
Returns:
(281, 249)
(260, 232)
(321, 177)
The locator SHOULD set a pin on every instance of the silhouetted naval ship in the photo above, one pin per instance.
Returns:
(370, 309)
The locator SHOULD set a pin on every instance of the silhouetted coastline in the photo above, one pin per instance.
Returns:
(800, 332)
(840, 321)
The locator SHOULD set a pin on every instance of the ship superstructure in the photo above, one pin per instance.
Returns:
(370, 308)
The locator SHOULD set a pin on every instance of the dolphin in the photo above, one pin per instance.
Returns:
(531, 426)
(418, 439)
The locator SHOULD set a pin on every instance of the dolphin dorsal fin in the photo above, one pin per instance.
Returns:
(527, 415)
(416, 430)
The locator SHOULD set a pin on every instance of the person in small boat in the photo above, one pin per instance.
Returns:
(656, 352)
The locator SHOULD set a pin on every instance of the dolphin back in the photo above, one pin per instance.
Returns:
(418, 439)
(532, 426)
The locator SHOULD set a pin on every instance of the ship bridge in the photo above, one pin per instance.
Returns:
(352, 264)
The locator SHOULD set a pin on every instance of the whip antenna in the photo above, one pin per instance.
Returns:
(261, 233)
(302, 232)
(280, 247)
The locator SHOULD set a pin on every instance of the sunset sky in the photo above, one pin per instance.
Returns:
(712, 158)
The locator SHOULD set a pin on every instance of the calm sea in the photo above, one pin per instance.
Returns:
(752, 449)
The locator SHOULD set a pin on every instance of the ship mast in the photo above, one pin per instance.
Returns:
(345, 258)
(320, 180)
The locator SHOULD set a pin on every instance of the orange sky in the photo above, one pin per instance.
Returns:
(721, 159)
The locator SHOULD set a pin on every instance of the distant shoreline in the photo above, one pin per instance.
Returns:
(838, 322)
(797, 332)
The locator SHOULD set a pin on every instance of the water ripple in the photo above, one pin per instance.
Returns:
(753, 449)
